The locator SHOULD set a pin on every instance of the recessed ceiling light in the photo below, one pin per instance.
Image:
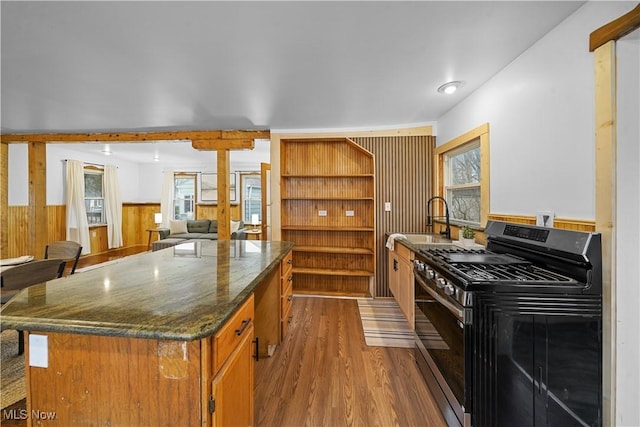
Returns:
(449, 87)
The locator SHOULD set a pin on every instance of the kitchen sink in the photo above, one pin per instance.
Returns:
(429, 241)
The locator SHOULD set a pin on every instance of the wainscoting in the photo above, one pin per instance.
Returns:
(136, 219)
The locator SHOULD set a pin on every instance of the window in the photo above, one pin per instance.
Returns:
(251, 197)
(184, 196)
(94, 196)
(462, 183)
(462, 175)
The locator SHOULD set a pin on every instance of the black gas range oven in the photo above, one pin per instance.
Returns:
(511, 335)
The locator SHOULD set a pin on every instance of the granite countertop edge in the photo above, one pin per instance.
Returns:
(208, 328)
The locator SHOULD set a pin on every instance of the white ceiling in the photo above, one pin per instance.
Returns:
(106, 66)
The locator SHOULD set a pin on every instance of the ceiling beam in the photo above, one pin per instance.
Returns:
(615, 29)
(223, 137)
(222, 144)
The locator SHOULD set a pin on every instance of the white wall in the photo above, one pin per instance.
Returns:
(18, 175)
(628, 232)
(56, 156)
(540, 109)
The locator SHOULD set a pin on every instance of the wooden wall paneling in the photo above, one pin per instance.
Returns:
(4, 199)
(57, 223)
(98, 239)
(403, 178)
(130, 225)
(17, 229)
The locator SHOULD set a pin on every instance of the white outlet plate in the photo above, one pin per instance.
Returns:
(350, 213)
(387, 206)
(322, 213)
(545, 218)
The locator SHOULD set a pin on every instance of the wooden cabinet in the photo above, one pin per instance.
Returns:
(231, 400)
(146, 382)
(327, 190)
(286, 292)
(401, 280)
(273, 300)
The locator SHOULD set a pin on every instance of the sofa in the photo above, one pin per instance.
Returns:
(200, 229)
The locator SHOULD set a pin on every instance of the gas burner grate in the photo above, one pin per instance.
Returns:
(507, 273)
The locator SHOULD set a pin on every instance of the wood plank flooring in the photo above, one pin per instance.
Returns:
(325, 375)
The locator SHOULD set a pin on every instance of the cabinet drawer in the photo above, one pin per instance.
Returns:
(404, 252)
(286, 265)
(287, 300)
(286, 322)
(286, 281)
(232, 333)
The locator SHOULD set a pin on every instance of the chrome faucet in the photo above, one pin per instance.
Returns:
(447, 230)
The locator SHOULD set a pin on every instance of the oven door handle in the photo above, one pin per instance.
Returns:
(459, 313)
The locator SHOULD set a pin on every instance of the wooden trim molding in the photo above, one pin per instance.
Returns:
(480, 133)
(606, 211)
(563, 223)
(615, 29)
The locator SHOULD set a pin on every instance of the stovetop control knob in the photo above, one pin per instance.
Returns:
(441, 282)
(449, 289)
(430, 273)
(419, 264)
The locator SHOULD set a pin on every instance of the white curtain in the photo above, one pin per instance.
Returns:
(77, 225)
(166, 200)
(112, 206)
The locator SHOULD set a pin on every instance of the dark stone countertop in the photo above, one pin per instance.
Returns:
(186, 292)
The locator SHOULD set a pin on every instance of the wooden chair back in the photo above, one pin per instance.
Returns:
(66, 250)
(22, 276)
(31, 273)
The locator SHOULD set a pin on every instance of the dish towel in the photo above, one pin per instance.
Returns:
(392, 239)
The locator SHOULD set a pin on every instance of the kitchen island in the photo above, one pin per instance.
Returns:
(162, 338)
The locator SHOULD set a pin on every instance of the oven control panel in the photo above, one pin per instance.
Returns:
(535, 234)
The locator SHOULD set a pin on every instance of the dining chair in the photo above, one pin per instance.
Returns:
(21, 276)
(66, 250)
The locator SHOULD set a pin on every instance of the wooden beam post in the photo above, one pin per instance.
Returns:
(224, 207)
(38, 218)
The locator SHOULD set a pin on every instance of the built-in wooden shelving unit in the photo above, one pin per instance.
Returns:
(327, 192)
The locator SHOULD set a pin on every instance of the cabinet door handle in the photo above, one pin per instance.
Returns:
(395, 265)
(539, 379)
(256, 355)
(244, 325)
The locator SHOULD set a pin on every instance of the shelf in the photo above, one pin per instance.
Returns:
(324, 228)
(333, 250)
(332, 272)
(335, 253)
